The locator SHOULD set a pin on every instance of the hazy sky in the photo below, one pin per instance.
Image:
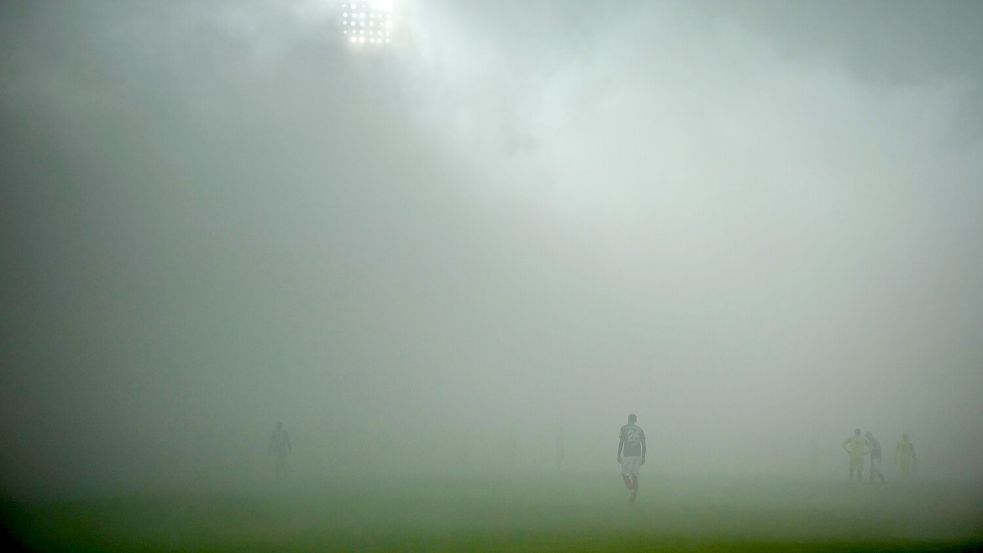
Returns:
(757, 225)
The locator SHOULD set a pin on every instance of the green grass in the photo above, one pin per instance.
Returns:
(570, 512)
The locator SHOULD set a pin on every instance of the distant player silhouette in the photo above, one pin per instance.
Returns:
(631, 454)
(856, 447)
(280, 446)
(904, 457)
(875, 457)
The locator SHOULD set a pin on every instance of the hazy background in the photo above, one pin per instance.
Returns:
(757, 225)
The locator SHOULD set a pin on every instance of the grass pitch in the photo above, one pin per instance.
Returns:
(549, 512)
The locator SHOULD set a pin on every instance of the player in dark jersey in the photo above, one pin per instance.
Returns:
(280, 446)
(904, 457)
(631, 454)
(875, 457)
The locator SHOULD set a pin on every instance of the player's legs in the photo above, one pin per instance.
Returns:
(634, 479)
(857, 468)
(626, 472)
(629, 472)
(875, 470)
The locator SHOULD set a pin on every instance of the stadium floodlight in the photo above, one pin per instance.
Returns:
(367, 22)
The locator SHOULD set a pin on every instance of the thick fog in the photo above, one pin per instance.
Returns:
(756, 225)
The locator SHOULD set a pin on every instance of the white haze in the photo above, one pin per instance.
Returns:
(756, 225)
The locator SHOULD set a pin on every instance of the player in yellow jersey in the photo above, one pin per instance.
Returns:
(856, 447)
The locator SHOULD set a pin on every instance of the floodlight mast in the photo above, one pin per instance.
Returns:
(368, 23)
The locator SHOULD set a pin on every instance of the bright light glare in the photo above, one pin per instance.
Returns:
(372, 16)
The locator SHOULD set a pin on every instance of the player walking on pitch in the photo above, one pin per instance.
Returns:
(631, 454)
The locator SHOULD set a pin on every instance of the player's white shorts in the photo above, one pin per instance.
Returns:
(630, 465)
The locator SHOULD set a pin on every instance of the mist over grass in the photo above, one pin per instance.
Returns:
(756, 225)
(519, 512)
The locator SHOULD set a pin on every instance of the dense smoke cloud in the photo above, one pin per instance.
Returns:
(755, 225)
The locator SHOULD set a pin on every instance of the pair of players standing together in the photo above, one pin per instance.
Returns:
(858, 446)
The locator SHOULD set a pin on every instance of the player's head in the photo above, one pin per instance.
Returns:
(868, 434)
(856, 431)
(279, 425)
(632, 418)
(904, 436)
